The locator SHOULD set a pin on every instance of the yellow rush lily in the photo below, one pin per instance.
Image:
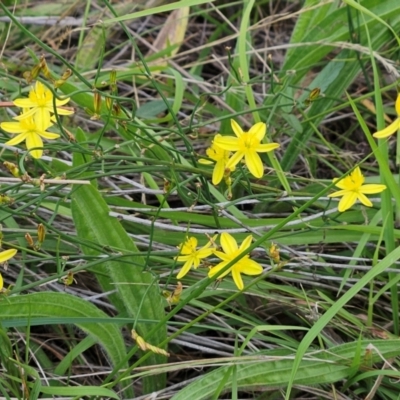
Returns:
(247, 145)
(353, 188)
(191, 255)
(231, 251)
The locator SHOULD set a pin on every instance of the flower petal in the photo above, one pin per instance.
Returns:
(184, 270)
(215, 270)
(254, 164)
(203, 253)
(246, 243)
(389, 130)
(251, 267)
(205, 161)
(221, 255)
(12, 127)
(238, 131)
(237, 278)
(357, 176)
(228, 243)
(63, 111)
(347, 201)
(48, 135)
(32, 142)
(258, 130)
(1, 283)
(218, 172)
(61, 102)
(397, 106)
(24, 103)
(42, 119)
(265, 148)
(364, 200)
(17, 139)
(227, 143)
(372, 188)
(339, 193)
(7, 254)
(234, 160)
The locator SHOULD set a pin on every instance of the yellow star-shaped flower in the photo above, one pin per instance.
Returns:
(40, 104)
(353, 188)
(247, 145)
(394, 126)
(220, 157)
(191, 255)
(230, 252)
(29, 130)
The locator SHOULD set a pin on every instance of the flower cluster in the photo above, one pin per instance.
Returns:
(36, 118)
(192, 256)
(245, 145)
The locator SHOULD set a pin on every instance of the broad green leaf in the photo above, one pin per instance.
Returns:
(137, 292)
(39, 305)
(272, 369)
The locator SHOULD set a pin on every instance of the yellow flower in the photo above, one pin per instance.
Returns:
(393, 127)
(353, 188)
(231, 251)
(40, 103)
(220, 157)
(247, 145)
(5, 256)
(191, 256)
(28, 129)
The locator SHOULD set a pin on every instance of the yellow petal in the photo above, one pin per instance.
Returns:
(7, 254)
(230, 143)
(372, 188)
(237, 278)
(203, 253)
(389, 130)
(61, 102)
(258, 130)
(347, 201)
(205, 161)
(49, 135)
(34, 141)
(254, 164)
(24, 103)
(17, 139)
(250, 267)
(42, 119)
(12, 127)
(1, 283)
(339, 193)
(228, 243)
(184, 270)
(364, 200)
(236, 128)
(397, 106)
(265, 148)
(63, 111)
(233, 161)
(215, 270)
(218, 172)
(246, 243)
